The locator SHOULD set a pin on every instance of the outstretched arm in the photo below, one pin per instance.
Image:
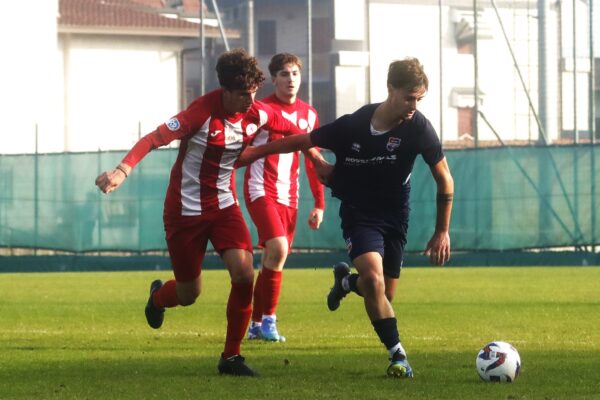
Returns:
(438, 247)
(285, 145)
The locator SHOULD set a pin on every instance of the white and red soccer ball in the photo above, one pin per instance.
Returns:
(498, 362)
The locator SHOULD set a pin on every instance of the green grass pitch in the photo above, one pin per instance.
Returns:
(84, 336)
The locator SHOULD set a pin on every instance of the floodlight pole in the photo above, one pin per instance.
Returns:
(223, 36)
(475, 76)
(202, 49)
(250, 22)
(309, 50)
(592, 123)
(575, 130)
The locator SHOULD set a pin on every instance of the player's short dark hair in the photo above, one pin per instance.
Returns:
(279, 60)
(238, 70)
(407, 74)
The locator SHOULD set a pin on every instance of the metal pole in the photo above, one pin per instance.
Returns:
(36, 172)
(202, 49)
(542, 73)
(575, 131)
(250, 27)
(440, 54)
(475, 76)
(592, 123)
(99, 221)
(592, 77)
(309, 50)
(223, 36)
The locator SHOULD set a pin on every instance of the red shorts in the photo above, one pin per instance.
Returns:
(272, 220)
(187, 238)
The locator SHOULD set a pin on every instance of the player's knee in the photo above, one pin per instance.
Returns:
(276, 252)
(372, 283)
(188, 296)
(243, 276)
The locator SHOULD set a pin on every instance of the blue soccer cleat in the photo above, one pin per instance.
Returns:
(254, 331)
(268, 330)
(337, 292)
(399, 367)
(154, 315)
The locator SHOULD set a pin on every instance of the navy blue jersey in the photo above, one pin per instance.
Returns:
(372, 170)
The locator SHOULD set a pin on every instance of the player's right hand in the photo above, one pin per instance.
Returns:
(110, 180)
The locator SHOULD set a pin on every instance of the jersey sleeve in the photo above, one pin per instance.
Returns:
(429, 144)
(329, 135)
(185, 123)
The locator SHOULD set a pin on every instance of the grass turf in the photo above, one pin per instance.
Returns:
(84, 336)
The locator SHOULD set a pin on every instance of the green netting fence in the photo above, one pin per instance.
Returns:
(507, 198)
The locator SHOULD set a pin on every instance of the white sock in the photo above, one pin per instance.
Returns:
(396, 348)
(346, 284)
(274, 317)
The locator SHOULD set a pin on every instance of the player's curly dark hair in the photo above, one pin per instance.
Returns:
(238, 70)
(279, 60)
(407, 74)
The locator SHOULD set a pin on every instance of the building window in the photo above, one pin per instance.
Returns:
(267, 40)
(322, 34)
(465, 122)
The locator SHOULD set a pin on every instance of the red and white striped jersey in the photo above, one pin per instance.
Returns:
(202, 178)
(276, 175)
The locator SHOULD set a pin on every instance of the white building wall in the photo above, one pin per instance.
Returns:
(117, 88)
(29, 76)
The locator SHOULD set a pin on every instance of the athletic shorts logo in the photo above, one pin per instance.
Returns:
(349, 245)
(173, 124)
(251, 129)
(393, 143)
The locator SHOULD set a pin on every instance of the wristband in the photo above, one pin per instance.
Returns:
(445, 197)
(122, 170)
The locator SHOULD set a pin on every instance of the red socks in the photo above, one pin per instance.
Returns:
(166, 296)
(238, 316)
(257, 307)
(271, 286)
(266, 293)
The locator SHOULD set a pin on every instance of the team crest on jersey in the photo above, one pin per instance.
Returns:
(349, 245)
(173, 124)
(356, 147)
(393, 143)
(251, 129)
(302, 124)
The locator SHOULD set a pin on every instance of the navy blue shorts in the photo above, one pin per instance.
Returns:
(369, 231)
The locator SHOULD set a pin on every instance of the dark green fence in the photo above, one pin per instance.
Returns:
(506, 199)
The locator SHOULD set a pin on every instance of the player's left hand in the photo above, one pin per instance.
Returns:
(315, 218)
(438, 248)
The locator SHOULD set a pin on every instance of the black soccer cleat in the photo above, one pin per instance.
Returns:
(337, 292)
(154, 315)
(235, 366)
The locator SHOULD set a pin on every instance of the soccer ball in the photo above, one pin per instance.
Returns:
(498, 362)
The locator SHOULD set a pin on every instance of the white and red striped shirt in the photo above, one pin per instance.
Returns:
(276, 175)
(202, 178)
